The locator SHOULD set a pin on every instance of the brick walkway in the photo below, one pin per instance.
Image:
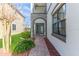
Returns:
(40, 48)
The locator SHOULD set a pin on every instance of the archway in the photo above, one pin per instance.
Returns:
(39, 26)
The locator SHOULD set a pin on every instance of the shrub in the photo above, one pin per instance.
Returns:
(14, 40)
(21, 42)
(26, 35)
(23, 46)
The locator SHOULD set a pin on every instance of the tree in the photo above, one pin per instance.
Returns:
(8, 14)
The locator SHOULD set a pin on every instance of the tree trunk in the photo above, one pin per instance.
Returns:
(3, 40)
(7, 39)
(7, 35)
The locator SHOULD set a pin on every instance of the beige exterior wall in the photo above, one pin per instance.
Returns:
(19, 24)
(19, 21)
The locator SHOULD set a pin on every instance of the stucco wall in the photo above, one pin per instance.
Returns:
(38, 15)
(38, 9)
(72, 31)
(35, 16)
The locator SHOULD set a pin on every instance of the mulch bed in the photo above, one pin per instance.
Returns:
(51, 48)
(22, 54)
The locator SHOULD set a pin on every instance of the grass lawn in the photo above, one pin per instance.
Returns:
(0, 43)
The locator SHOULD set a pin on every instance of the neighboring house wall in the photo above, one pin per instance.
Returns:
(19, 22)
(70, 47)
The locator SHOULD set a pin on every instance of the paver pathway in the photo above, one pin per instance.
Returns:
(40, 48)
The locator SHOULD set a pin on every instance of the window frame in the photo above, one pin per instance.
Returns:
(58, 34)
(13, 27)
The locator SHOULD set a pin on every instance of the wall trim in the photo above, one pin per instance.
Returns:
(49, 7)
(45, 24)
(39, 13)
(57, 6)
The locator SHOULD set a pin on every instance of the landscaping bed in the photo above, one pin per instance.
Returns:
(21, 43)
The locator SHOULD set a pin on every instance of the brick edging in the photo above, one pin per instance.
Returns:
(51, 48)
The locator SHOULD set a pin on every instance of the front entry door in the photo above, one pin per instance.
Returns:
(40, 28)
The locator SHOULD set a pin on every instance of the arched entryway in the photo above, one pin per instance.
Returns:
(39, 27)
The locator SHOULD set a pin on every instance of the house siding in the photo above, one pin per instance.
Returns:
(72, 30)
(19, 24)
(18, 21)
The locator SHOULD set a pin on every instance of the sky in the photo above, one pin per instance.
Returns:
(25, 10)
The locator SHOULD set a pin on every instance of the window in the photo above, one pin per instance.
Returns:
(59, 22)
(13, 26)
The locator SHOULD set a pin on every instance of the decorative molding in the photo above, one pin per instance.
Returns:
(49, 7)
(57, 6)
(39, 13)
